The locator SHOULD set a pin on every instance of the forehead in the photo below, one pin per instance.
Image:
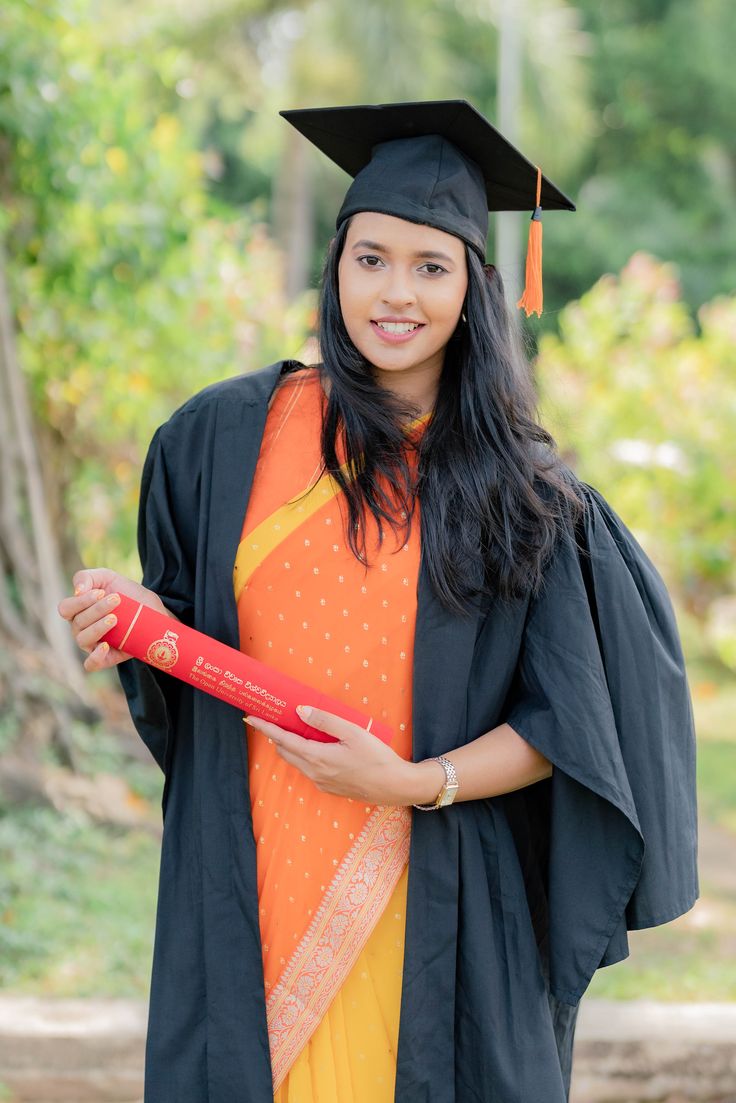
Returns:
(400, 235)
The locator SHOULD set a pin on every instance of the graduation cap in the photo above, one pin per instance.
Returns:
(438, 162)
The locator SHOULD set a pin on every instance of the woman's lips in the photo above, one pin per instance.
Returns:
(395, 338)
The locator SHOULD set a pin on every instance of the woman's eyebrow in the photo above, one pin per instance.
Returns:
(424, 253)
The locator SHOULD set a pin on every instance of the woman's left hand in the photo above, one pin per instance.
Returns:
(360, 765)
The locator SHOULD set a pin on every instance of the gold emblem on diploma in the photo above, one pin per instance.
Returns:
(164, 653)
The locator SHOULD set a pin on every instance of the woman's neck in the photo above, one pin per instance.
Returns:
(417, 387)
(420, 392)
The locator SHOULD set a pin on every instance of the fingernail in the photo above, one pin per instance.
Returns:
(79, 589)
(105, 646)
(98, 595)
(113, 599)
(305, 711)
(112, 619)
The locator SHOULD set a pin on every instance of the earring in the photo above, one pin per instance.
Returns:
(463, 317)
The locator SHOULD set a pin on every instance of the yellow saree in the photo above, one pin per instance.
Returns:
(332, 871)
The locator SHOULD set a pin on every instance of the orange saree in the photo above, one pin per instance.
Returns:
(332, 871)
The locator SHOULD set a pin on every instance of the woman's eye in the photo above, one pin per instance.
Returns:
(437, 268)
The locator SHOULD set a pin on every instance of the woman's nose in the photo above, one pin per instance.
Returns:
(398, 287)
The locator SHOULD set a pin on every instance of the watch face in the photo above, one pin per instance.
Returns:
(449, 795)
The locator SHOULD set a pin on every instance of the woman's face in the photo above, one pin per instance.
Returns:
(391, 273)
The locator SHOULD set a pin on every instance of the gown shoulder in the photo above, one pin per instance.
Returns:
(245, 389)
(601, 690)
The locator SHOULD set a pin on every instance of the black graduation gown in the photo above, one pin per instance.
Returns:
(513, 902)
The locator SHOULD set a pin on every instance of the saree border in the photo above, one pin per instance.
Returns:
(348, 912)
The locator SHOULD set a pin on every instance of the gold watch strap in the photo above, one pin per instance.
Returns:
(451, 781)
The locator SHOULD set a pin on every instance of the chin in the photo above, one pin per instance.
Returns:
(388, 364)
(398, 358)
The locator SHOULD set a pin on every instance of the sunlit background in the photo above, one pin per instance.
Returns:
(161, 227)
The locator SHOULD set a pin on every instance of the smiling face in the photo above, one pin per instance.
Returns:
(402, 287)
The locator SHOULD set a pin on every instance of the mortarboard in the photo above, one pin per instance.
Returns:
(439, 162)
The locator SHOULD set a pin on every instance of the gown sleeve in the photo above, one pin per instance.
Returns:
(166, 543)
(601, 691)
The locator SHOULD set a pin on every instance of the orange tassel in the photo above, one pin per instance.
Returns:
(532, 298)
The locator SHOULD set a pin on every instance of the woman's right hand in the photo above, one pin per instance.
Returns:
(92, 602)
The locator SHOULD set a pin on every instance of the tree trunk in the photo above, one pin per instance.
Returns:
(293, 215)
(30, 570)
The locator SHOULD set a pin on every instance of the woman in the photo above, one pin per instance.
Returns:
(394, 526)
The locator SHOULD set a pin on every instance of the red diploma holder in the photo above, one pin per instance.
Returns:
(224, 672)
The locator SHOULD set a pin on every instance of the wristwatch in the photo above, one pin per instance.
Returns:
(448, 791)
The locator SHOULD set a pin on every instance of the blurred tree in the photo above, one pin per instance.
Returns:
(129, 293)
(234, 73)
(642, 399)
(125, 295)
(627, 105)
(29, 552)
(660, 174)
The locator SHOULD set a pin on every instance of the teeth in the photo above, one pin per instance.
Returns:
(398, 327)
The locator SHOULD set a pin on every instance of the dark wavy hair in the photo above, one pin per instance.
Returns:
(494, 496)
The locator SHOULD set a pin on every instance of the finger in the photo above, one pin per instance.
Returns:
(103, 657)
(304, 764)
(328, 722)
(287, 740)
(68, 607)
(83, 582)
(91, 578)
(89, 638)
(75, 608)
(97, 609)
(97, 659)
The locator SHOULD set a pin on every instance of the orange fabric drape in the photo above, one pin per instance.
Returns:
(328, 866)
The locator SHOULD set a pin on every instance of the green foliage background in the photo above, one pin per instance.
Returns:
(132, 287)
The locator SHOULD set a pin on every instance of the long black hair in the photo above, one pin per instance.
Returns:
(494, 495)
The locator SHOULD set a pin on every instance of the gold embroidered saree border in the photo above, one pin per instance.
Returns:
(350, 909)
